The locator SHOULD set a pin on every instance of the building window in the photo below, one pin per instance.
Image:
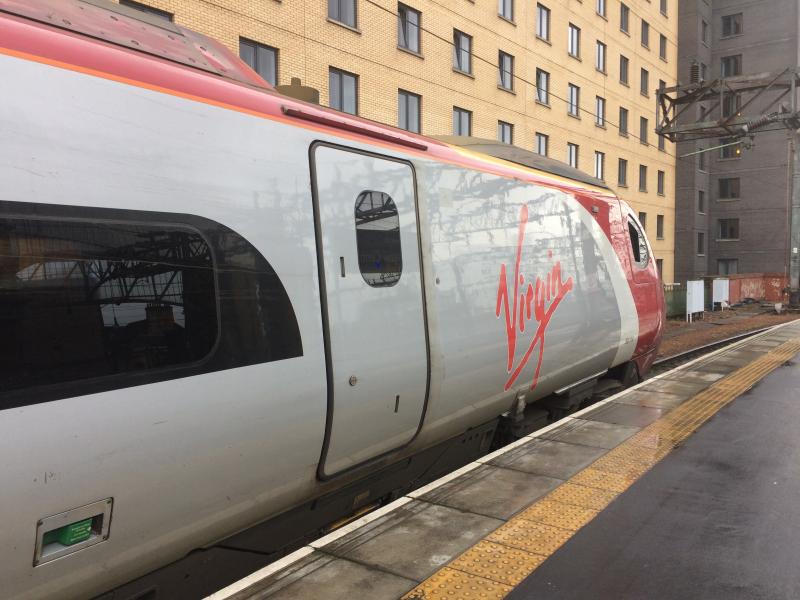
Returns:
(644, 82)
(572, 154)
(659, 227)
(162, 14)
(727, 229)
(343, 11)
(462, 121)
(645, 34)
(730, 149)
(505, 8)
(660, 268)
(573, 99)
(704, 32)
(729, 188)
(662, 46)
(599, 165)
(643, 220)
(600, 111)
(408, 109)
(343, 91)
(542, 143)
(664, 7)
(701, 160)
(730, 66)
(542, 86)
(505, 75)
(408, 27)
(624, 18)
(380, 255)
(543, 22)
(701, 243)
(505, 132)
(623, 121)
(622, 173)
(462, 52)
(601, 7)
(703, 72)
(701, 202)
(643, 127)
(623, 69)
(262, 59)
(727, 266)
(731, 104)
(642, 178)
(574, 41)
(731, 25)
(600, 57)
(660, 183)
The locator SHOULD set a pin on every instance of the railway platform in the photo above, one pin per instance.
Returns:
(685, 485)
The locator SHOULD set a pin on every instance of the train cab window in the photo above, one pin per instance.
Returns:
(91, 302)
(378, 239)
(638, 244)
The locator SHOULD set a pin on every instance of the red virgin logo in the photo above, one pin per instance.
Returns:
(537, 302)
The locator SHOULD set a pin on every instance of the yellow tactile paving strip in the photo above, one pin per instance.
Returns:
(490, 568)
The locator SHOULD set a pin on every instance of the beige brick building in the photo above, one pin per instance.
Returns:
(580, 43)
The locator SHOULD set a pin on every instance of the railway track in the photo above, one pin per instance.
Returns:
(675, 360)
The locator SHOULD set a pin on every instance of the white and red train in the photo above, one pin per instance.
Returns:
(222, 307)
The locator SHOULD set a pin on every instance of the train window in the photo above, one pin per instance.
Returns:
(638, 244)
(100, 299)
(378, 239)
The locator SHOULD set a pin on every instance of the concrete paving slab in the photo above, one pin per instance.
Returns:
(719, 367)
(671, 386)
(550, 458)
(652, 399)
(695, 376)
(323, 577)
(493, 491)
(592, 433)
(415, 540)
(624, 414)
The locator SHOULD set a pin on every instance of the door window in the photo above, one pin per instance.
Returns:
(380, 259)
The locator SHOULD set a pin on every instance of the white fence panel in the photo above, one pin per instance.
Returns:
(720, 292)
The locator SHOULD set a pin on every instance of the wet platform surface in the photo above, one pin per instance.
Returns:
(684, 486)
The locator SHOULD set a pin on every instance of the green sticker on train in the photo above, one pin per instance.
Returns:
(68, 535)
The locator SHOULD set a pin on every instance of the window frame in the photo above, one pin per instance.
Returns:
(734, 31)
(505, 65)
(600, 165)
(342, 74)
(645, 34)
(501, 6)
(543, 91)
(502, 128)
(404, 26)
(601, 53)
(573, 100)
(644, 82)
(573, 154)
(624, 69)
(459, 52)
(574, 41)
(403, 96)
(623, 121)
(462, 113)
(337, 18)
(643, 178)
(724, 227)
(542, 25)
(622, 172)
(625, 18)
(542, 139)
(256, 46)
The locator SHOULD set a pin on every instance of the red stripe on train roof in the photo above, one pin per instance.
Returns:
(39, 42)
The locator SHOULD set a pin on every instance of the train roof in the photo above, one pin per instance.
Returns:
(520, 156)
(108, 40)
(139, 31)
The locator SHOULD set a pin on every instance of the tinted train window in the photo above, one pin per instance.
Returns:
(638, 244)
(99, 299)
(378, 239)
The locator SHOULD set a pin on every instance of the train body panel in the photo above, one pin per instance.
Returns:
(511, 284)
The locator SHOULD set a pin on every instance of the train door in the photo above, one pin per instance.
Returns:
(645, 281)
(372, 303)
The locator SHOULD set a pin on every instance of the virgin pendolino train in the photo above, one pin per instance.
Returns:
(230, 318)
